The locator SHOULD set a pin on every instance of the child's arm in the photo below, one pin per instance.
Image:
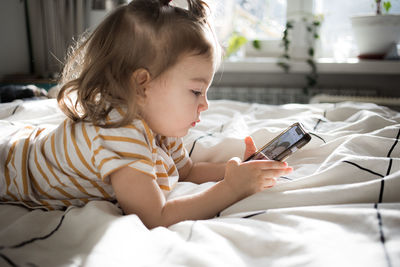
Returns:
(140, 194)
(201, 172)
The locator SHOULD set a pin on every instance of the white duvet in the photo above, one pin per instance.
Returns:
(340, 207)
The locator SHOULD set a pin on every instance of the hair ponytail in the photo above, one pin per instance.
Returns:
(198, 8)
(165, 2)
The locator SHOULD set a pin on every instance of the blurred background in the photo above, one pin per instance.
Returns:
(276, 51)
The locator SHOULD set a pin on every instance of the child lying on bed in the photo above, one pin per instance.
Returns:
(131, 91)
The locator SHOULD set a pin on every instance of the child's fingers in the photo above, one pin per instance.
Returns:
(249, 141)
(235, 160)
(272, 173)
(270, 182)
(268, 164)
(250, 147)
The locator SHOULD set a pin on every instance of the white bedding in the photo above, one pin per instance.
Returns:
(340, 207)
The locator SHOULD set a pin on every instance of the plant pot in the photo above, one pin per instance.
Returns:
(375, 35)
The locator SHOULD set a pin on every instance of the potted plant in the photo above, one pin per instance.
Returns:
(376, 34)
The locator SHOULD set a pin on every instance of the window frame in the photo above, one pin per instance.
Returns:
(296, 11)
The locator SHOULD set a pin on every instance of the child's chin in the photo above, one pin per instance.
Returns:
(184, 133)
(180, 133)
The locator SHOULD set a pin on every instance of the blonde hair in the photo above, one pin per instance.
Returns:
(145, 34)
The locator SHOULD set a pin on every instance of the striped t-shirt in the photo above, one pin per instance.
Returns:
(71, 164)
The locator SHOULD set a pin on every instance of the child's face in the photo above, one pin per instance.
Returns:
(175, 99)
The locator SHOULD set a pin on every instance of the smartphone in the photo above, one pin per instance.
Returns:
(284, 145)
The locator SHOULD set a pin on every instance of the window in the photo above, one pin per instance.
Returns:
(255, 19)
(337, 39)
(263, 20)
(266, 19)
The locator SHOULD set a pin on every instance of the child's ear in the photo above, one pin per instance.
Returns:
(140, 79)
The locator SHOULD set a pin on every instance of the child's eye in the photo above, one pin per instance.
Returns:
(196, 93)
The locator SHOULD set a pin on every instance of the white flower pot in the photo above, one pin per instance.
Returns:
(375, 34)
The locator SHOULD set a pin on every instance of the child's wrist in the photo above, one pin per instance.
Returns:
(235, 194)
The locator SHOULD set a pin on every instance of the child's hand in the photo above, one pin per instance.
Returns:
(250, 147)
(247, 178)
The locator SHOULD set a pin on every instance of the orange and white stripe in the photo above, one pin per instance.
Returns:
(71, 164)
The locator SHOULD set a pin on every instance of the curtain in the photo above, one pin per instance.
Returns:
(53, 25)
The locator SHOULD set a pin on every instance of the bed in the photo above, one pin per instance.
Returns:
(340, 206)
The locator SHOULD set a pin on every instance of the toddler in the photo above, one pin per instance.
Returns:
(131, 91)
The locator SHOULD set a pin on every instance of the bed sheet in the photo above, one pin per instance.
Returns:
(340, 206)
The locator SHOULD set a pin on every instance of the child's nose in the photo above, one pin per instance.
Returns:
(204, 104)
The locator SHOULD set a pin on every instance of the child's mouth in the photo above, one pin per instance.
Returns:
(194, 123)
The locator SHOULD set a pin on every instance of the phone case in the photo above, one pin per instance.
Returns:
(282, 150)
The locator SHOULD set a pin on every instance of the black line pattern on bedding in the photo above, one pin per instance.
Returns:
(378, 214)
(390, 165)
(286, 178)
(15, 109)
(191, 232)
(24, 243)
(323, 140)
(254, 214)
(10, 262)
(381, 190)
(316, 125)
(383, 181)
(195, 141)
(221, 128)
(382, 235)
(32, 240)
(364, 169)
(394, 145)
(320, 120)
(380, 198)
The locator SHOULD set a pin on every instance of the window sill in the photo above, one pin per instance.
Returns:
(324, 65)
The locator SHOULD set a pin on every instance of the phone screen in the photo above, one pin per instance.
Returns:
(283, 145)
